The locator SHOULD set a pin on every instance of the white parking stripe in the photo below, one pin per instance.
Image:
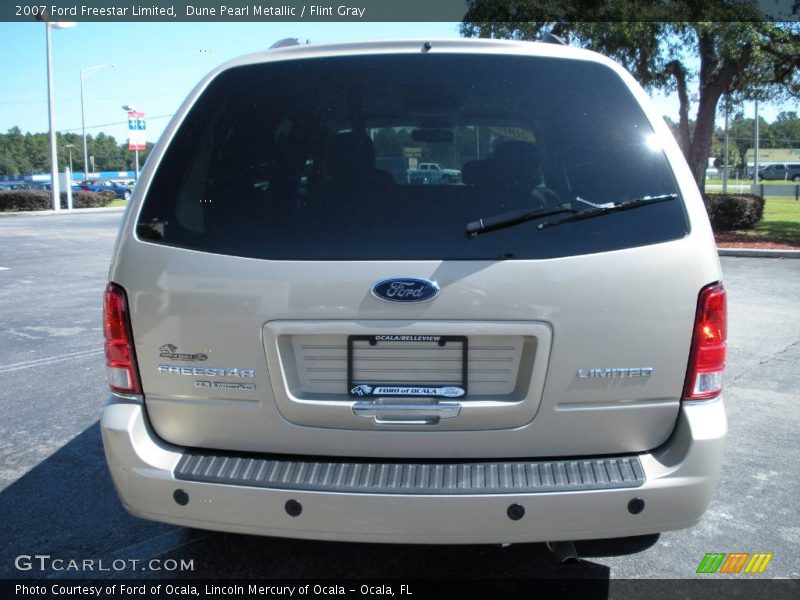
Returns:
(97, 291)
(49, 360)
(3, 268)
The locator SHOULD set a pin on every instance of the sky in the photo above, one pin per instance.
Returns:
(157, 64)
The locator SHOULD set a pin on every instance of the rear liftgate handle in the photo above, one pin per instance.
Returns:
(407, 414)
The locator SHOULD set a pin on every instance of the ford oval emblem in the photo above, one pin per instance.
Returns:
(405, 289)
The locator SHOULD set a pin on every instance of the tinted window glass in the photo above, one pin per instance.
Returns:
(389, 157)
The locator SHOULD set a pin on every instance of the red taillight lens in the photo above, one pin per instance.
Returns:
(123, 374)
(707, 356)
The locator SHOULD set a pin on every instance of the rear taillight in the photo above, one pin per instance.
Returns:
(707, 356)
(123, 374)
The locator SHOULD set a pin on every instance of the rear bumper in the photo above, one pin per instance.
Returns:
(680, 479)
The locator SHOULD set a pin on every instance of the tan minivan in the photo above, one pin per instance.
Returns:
(304, 341)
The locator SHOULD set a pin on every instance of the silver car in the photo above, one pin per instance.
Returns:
(302, 344)
(780, 172)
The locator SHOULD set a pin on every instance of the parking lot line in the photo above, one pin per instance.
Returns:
(54, 295)
(40, 362)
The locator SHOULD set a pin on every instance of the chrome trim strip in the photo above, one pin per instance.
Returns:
(406, 414)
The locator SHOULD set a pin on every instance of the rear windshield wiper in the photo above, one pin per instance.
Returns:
(516, 217)
(509, 219)
(605, 209)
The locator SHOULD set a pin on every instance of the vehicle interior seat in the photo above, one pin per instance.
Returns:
(351, 163)
(516, 165)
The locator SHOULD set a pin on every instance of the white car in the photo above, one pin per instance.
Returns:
(426, 173)
(299, 344)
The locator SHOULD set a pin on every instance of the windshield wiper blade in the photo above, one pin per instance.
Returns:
(604, 210)
(509, 219)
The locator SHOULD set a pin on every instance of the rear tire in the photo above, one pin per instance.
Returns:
(126, 196)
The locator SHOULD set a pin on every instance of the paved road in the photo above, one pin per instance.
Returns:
(56, 496)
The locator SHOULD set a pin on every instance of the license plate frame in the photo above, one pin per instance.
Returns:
(380, 388)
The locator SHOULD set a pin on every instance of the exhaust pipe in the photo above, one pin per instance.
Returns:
(564, 551)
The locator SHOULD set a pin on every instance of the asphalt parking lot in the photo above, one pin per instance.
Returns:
(57, 498)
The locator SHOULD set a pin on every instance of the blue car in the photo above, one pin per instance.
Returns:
(98, 185)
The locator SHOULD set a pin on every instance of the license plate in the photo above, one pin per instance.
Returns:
(416, 348)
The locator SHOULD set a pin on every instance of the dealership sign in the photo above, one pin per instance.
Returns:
(136, 139)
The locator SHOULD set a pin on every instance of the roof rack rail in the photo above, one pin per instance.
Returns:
(284, 43)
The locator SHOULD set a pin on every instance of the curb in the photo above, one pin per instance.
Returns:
(63, 211)
(758, 253)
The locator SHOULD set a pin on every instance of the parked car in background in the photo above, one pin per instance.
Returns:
(780, 172)
(8, 186)
(33, 185)
(103, 185)
(433, 173)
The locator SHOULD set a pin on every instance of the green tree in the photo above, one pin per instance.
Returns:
(107, 153)
(128, 158)
(23, 154)
(714, 47)
(785, 130)
(742, 131)
(36, 151)
(390, 141)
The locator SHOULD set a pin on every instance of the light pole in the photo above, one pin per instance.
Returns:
(755, 153)
(130, 108)
(51, 109)
(727, 142)
(84, 74)
(69, 148)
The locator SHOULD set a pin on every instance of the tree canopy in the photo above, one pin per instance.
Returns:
(702, 50)
(23, 154)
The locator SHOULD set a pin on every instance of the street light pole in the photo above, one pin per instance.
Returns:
(69, 148)
(84, 74)
(51, 121)
(725, 172)
(83, 133)
(44, 16)
(755, 153)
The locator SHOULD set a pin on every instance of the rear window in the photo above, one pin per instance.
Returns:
(389, 157)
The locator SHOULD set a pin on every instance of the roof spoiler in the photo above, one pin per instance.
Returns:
(284, 43)
(551, 38)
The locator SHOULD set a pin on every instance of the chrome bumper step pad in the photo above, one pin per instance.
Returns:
(420, 478)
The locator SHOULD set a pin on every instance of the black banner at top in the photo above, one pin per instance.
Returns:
(234, 10)
(22, 11)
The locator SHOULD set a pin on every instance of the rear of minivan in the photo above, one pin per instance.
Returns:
(304, 341)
